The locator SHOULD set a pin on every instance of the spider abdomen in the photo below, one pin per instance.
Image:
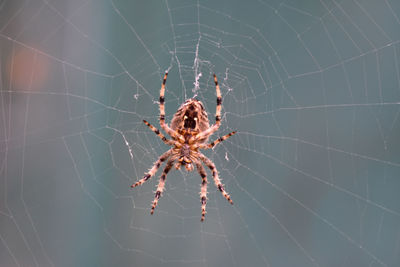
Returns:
(191, 115)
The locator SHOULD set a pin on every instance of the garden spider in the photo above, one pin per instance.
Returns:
(190, 130)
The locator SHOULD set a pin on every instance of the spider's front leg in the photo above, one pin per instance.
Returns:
(215, 175)
(161, 184)
(154, 169)
(203, 191)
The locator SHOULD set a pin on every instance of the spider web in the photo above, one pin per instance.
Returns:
(313, 88)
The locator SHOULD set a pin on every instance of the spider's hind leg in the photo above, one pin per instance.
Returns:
(215, 127)
(163, 125)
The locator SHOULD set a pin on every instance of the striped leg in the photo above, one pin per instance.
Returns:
(203, 191)
(157, 132)
(219, 102)
(154, 169)
(219, 140)
(161, 184)
(163, 125)
(215, 127)
(215, 175)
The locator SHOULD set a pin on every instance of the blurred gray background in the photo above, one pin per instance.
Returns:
(313, 88)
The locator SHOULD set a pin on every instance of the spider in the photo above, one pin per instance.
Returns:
(190, 130)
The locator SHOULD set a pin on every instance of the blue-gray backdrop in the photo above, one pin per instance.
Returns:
(312, 87)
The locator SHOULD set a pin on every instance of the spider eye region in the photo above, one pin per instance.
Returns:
(190, 119)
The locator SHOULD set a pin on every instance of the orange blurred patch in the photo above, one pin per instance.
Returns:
(27, 70)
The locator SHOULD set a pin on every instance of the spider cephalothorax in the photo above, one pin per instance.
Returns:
(190, 130)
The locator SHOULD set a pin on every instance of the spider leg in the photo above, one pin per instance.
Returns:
(214, 143)
(215, 175)
(203, 191)
(154, 169)
(157, 132)
(163, 125)
(161, 184)
(215, 127)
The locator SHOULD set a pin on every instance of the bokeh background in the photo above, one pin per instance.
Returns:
(313, 88)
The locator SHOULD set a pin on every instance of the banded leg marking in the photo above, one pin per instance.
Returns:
(163, 125)
(154, 169)
(219, 101)
(215, 127)
(157, 132)
(215, 175)
(161, 185)
(162, 99)
(203, 191)
(214, 143)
